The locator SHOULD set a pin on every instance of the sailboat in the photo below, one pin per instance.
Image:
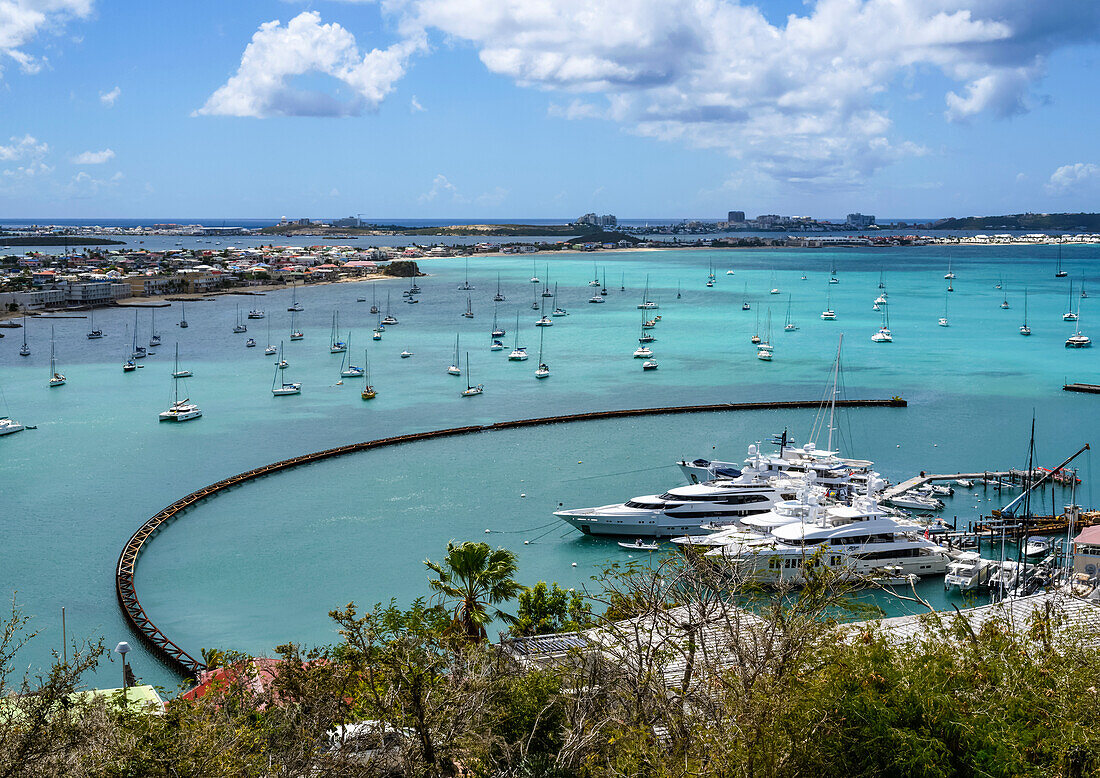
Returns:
(24, 350)
(1024, 329)
(389, 318)
(176, 372)
(471, 390)
(154, 336)
(881, 279)
(646, 303)
(546, 287)
(270, 350)
(534, 298)
(622, 283)
(518, 354)
(180, 410)
(1059, 273)
(943, 319)
(469, 312)
(558, 310)
(294, 304)
(1078, 339)
(93, 333)
(368, 392)
(677, 290)
(789, 326)
(183, 316)
(350, 371)
(745, 299)
(534, 274)
(544, 321)
(543, 370)
(379, 329)
(240, 326)
(603, 287)
(373, 300)
(775, 286)
(466, 283)
(498, 297)
(832, 274)
(454, 369)
(756, 332)
(496, 332)
(138, 352)
(56, 378)
(828, 314)
(764, 350)
(1070, 314)
(596, 280)
(338, 346)
(646, 336)
(950, 276)
(280, 387)
(1004, 302)
(295, 333)
(884, 335)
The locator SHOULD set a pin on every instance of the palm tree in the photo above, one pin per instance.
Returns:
(478, 578)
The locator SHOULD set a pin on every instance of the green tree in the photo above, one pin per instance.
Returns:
(544, 610)
(477, 578)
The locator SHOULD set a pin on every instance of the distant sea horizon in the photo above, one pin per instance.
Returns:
(223, 221)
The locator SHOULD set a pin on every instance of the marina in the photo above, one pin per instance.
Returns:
(706, 365)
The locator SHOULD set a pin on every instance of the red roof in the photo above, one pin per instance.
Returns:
(258, 674)
(1089, 536)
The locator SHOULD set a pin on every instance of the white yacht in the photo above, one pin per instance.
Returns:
(9, 426)
(851, 541)
(916, 502)
(181, 410)
(643, 352)
(968, 571)
(883, 336)
(650, 364)
(682, 510)
(256, 314)
(755, 526)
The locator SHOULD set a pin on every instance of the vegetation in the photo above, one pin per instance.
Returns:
(599, 236)
(688, 685)
(1072, 222)
(402, 268)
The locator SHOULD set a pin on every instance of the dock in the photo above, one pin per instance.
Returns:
(179, 660)
(1084, 388)
(1015, 477)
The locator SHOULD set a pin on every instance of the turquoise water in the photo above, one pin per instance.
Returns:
(264, 563)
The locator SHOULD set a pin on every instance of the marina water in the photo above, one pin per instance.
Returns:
(264, 563)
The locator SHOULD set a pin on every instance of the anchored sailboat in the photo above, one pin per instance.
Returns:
(180, 410)
(56, 378)
(543, 370)
(368, 392)
(471, 390)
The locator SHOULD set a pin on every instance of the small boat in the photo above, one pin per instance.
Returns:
(469, 312)
(256, 314)
(368, 392)
(24, 350)
(154, 336)
(373, 300)
(943, 319)
(595, 299)
(250, 343)
(295, 333)
(789, 325)
(965, 483)
(406, 354)
(519, 353)
(466, 283)
(643, 352)
(56, 378)
(454, 369)
(295, 306)
(360, 299)
(730, 273)
(534, 276)
(649, 364)
(470, 390)
(498, 297)
(129, 366)
(177, 373)
(93, 333)
(639, 544)
(1070, 314)
(183, 316)
(240, 326)
(1037, 547)
(10, 426)
(496, 345)
(389, 318)
(1024, 329)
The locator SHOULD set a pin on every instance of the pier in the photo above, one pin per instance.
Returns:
(1014, 477)
(1084, 388)
(185, 664)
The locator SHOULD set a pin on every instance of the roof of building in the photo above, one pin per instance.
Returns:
(1089, 536)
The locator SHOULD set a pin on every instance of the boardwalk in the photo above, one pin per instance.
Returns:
(184, 663)
(920, 480)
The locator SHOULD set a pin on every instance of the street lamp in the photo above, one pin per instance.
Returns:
(124, 649)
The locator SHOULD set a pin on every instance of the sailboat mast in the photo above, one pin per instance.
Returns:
(832, 397)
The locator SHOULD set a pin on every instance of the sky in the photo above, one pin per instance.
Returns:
(547, 108)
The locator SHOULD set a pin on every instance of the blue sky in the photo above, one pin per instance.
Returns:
(548, 108)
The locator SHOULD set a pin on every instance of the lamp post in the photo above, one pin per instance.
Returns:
(123, 648)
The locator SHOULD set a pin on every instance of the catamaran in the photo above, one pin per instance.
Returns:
(454, 369)
(280, 387)
(828, 314)
(884, 335)
(93, 333)
(180, 410)
(389, 318)
(543, 370)
(56, 378)
(256, 313)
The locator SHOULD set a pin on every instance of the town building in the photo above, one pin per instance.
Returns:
(860, 220)
(736, 217)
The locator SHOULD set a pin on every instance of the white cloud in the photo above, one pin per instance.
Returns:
(801, 101)
(109, 98)
(26, 147)
(93, 157)
(1069, 177)
(21, 21)
(262, 86)
(441, 187)
(415, 106)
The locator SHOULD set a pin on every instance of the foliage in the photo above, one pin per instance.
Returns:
(545, 610)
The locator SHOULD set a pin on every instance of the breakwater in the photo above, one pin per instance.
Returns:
(186, 664)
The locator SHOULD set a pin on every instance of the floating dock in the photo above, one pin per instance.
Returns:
(184, 663)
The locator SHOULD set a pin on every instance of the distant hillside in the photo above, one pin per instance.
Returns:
(604, 237)
(1073, 222)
